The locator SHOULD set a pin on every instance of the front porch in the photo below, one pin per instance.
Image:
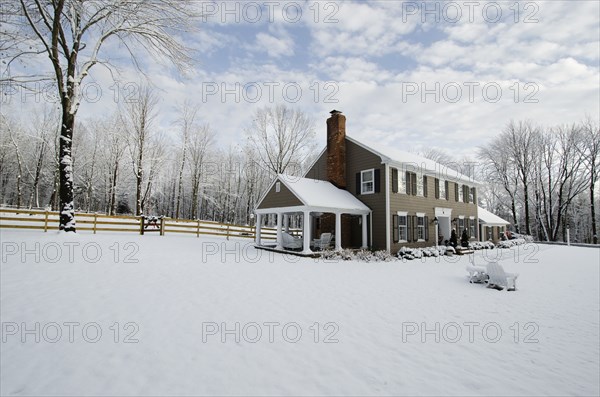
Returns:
(325, 216)
(319, 229)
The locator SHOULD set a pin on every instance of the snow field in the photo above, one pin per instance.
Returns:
(178, 315)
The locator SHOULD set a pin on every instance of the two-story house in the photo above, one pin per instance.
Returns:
(368, 195)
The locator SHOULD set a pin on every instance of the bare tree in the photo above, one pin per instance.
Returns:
(589, 150)
(200, 139)
(186, 123)
(71, 35)
(139, 118)
(501, 169)
(520, 140)
(282, 137)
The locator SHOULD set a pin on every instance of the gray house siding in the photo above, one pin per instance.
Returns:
(359, 159)
(418, 204)
(283, 198)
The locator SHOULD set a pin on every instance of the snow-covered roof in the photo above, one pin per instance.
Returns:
(401, 158)
(488, 218)
(322, 194)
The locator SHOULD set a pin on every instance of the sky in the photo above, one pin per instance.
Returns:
(412, 75)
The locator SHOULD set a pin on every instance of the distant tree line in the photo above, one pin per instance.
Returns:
(125, 164)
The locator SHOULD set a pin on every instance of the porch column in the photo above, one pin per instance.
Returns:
(364, 231)
(306, 232)
(286, 223)
(257, 229)
(279, 232)
(338, 231)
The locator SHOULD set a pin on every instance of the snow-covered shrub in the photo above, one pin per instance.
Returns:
(511, 243)
(364, 256)
(479, 245)
(383, 256)
(344, 255)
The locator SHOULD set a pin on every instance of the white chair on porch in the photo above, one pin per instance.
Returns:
(323, 242)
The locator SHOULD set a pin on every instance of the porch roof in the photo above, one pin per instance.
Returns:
(317, 195)
(490, 219)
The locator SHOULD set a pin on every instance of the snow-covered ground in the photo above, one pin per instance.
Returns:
(366, 328)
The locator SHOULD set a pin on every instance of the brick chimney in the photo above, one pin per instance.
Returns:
(336, 149)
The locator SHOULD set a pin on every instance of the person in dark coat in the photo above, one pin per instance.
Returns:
(464, 239)
(453, 238)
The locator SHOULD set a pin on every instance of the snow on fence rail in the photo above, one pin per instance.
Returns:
(11, 218)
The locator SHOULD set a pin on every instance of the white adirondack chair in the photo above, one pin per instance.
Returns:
(499, 279)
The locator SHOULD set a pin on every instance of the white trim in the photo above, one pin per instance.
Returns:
(461, 217)
(260, 200)
(471, 217)
(372, 171)
(421, 214)
(278, 187)
(443, 212)
(388, 234)
(315, 162)
(302, 208)
(400, 165)
(402, 213)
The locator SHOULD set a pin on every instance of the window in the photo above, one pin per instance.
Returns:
(402, 227)
(461, 225)
(442, 193)
(489, 230)
(367, 182)
(420, 227)
(420, 185)
(472, 195)
(471, 227)
(402, 182)
(460, 192)
(277, 187)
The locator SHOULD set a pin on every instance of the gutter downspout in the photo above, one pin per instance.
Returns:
(387, 208)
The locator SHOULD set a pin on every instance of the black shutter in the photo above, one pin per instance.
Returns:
(415, 225)
(446, 186)
(474, 195)
(437, 188)
(426, 228)
(413, 186)
(357, 183)
(407, 181)
(394, 180)
(395, 228)
(409, 228)
(456, 191)
(465, 193)
(377, 181)
(424, 186)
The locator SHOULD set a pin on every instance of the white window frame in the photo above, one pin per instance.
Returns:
(442, 190)
(471, 195)
(460, 193)
(420, 185)
(402, 181)
(421, 228)
(472, 225)
(372, 182)
(277, 187)
(402, 214)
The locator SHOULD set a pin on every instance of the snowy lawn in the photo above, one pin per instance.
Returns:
(413, 328)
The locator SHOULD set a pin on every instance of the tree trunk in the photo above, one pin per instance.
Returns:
(593, 211)
(67, 207)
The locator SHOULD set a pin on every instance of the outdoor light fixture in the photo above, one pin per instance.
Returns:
(435, 221)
